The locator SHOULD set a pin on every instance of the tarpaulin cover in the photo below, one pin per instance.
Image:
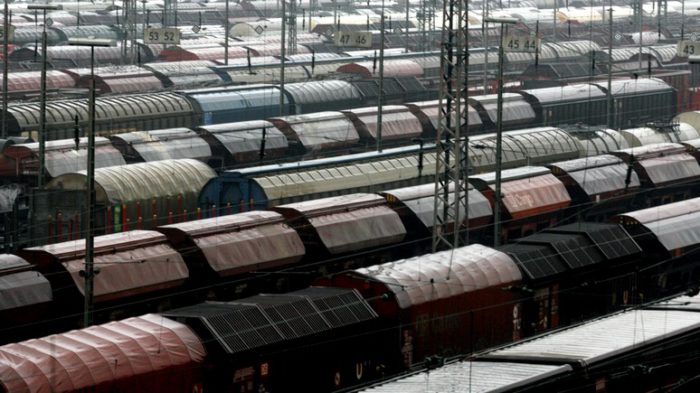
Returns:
(431, 110)
(601, 142)
(539, 194)
(8, 196)
(422, 279)
(524, 147)
(320, 92)
(141, 354)
(143, 181)
(62, 157)
(515, 108)
(421, 201)
(649, 151)
(173, 143)
(21, 288)
(355, 176)
(129, 262)
(664, 212)
(131, 84)
(397, 122)
(320, 130)
(268, 75)
(243, 242)
(398, 67)
(599, 175)
(31, 81)
(670, 168)
(646, 136)
(242, 139)
(351, 222)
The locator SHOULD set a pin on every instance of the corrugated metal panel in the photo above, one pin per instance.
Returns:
(514, 107)
(537, 261)
(397, 122)
(243, 242)
(599, 340)
(611, 239)
(255, 322)
(421, 279)
(670, 168)
(339, 306)
(320, 130)
(142, 182)
(472, 377)
(144, 347)
(576, 250)
(421, 201)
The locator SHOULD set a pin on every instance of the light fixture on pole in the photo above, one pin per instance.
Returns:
(89, 272)
(499, 129)
(42, 103)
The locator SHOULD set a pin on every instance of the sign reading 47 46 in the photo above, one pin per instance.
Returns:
(164, 35)
(520, 43)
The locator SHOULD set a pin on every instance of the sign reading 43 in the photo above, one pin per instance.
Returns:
(520, 43)
(688, 48)
(165, 35)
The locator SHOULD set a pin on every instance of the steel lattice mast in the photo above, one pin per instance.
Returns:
(426, 23)
(292, 26)
(452, 154)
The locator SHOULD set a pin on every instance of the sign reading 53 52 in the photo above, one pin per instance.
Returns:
(164, 35)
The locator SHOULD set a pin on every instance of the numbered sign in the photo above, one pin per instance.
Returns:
(165, 35)
(688, 48)
(11, 31)
(520, 43)
(355, 38)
